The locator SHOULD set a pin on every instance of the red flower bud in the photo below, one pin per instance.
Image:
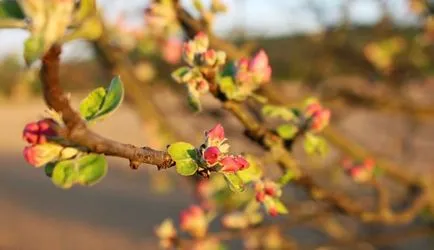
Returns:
(39, 132)
(273, 211)
(229, 165)
(260, 196)
(242, 163)
(211, 155)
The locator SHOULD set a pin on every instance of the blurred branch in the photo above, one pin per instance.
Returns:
(76, 130)
(385, 239)
(10, 23)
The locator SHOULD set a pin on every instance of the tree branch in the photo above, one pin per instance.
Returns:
(11, 23)
(76, 130)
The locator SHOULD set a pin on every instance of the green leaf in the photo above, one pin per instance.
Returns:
(234, 181)
(194, 100)
(281, 208)
(65, 174)
(227, 86)
(315, 145)
(100, 103)
(11, 9)
(253, 172)
(49, 168)
(92, 168)
(182, 74)
(33, 49)
(229, 70)
(287, 131)
(90, 29)
(287, 177)
(91, 105)
(184, 154)
(278, 111)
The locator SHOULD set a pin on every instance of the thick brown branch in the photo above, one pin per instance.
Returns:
(76, 130)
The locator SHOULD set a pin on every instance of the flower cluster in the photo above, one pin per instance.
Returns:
(42, 136)
(360, 172)
(317, 116)
(194, 221)
(167, 234)
(255, 72)
(268, 193)
(215, 152)
(203, 63)
(240, 79)
(161, 18)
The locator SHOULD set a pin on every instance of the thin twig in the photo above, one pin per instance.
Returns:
(76, 130)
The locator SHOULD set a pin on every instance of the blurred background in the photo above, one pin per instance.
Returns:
(370, 61)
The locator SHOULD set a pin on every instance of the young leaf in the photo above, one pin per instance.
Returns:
(234, 181)
(278, 111)
(49, 168)
(315, 144)
(64, 174)
(287, 177)
(92, 168)
(194, 100)
(184, 154)
(33, 49)
(227, 86)
(91, 105)
(182, 74)
(281, 208)
(86, 9)
(287, 131)
(100, 102)
(10, 9)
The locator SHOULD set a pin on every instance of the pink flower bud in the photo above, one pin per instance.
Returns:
(193, 221)
(273, 211)
(172, 50)
(242, 162)
(189, 51)
(259, 62)
(229, 165)
(40, 154)
(210, 57)
(39, 132)
(202, 86)
(211, 155)
(320, 120)
(216, 134)
(202, 42)
(360, 173)
(243, 64)
(260, 68)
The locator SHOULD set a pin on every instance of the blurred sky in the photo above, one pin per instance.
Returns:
(256, 17)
